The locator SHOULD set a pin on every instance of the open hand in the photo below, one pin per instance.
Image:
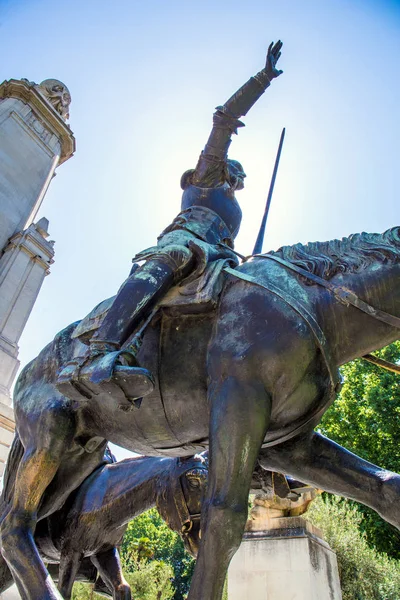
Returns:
(274, 52)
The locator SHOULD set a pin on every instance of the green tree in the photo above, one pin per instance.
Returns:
(164, 545)
(83, 591)
(154, 562)
(365, 574)
(366, 420)
(149, 580)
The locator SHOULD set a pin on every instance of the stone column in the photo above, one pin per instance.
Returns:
(23, 266)
(288, 558)
(34, 140)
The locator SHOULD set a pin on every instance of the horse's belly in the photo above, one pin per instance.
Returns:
(299, 413)
(174, 419)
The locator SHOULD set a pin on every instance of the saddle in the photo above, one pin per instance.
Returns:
(197, 296)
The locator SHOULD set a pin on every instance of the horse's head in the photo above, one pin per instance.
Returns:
(179, 502)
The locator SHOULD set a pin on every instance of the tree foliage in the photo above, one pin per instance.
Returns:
(366, 420)
(165, 546)
(149, 580)
(365, 574)
(154, 562)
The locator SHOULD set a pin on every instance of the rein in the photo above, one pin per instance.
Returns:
(345, 296)
(186, 518)
(348, 298)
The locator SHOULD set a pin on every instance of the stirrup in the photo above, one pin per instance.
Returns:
(90, 377)
(68, 383)
(134, 381)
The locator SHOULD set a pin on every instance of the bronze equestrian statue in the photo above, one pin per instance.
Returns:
(203, 231)
(248, 375)
(82, 537)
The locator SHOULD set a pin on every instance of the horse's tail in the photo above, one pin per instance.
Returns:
(14, 458)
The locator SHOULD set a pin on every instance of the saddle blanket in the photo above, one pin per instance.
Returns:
(198, 296)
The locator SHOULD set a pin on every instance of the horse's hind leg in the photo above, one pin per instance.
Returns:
(36, 470)
(69, 566)
(108, 565)
(321, 462)
(240, 412)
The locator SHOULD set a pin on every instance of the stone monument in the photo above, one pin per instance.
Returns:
(34, 140)
(282, 551)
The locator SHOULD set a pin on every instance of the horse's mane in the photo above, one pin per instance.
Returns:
(348, 255)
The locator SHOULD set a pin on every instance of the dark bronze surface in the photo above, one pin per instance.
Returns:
(250, 379)
(251, 374)
(203, 232)
(83, 536)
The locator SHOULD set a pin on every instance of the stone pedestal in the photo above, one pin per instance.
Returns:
(289, 560)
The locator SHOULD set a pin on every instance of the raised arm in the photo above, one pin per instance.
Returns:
(211, 165)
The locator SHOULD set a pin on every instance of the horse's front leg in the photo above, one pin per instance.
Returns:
(240, 413)
(108, 565)
(69, 567)
(317, 460)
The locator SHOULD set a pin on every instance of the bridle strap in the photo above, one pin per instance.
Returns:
(345, 296)
(182, 509)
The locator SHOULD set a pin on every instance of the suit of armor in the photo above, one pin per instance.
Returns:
(203, 231)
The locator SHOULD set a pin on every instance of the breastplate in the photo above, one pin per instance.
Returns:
(220, 199)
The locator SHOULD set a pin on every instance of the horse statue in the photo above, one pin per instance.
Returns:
(248, 376)
(83, 536)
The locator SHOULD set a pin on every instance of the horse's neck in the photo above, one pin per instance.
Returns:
(128, 488)
(352, 333)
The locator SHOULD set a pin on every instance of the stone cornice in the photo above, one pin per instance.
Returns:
(25, 91)
(30, 242)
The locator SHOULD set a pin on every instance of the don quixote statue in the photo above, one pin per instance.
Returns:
(198, 351)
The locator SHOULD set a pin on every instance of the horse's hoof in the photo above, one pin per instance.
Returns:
(135, 382)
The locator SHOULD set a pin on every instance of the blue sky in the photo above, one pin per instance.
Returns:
(145, 78)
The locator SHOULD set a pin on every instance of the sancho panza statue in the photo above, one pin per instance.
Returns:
(203, 231)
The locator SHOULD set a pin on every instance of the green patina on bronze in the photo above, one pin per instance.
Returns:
(248, 374)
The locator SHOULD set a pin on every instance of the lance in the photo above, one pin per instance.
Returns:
(260, 238)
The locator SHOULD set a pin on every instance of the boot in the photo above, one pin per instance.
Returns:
(106, 367)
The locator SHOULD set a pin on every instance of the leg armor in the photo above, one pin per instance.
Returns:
(106, 365)
(140, 292)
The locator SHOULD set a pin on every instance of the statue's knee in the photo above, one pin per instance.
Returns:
(228, 518)
(11, 532)
(388, 494)
(179, 256)
(16, 523)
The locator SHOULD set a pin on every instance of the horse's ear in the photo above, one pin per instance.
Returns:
(109, 456)
(204, 456)
(201, 459)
